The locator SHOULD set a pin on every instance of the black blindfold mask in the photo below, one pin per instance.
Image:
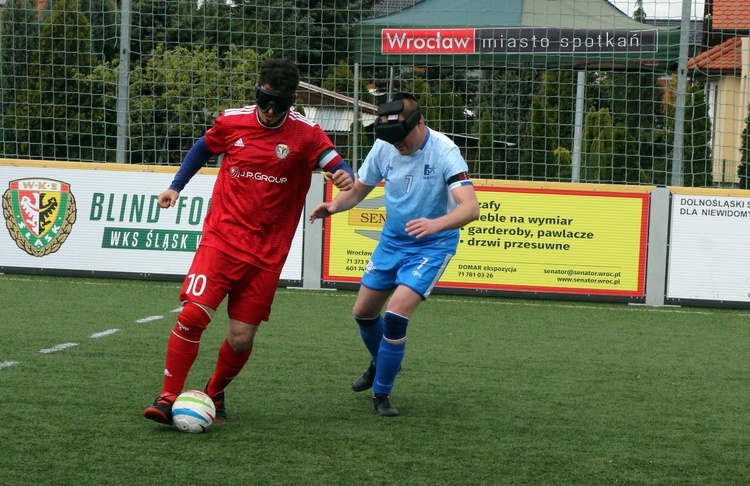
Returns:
(279, 102)
(392, 130)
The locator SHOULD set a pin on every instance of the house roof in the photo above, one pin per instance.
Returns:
(333, 111)
(317, 96)
(336, 119)
(730, 15)
(724, 58)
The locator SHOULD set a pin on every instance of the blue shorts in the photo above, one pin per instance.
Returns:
(418, 268)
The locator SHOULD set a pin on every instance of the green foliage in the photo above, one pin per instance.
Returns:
(743, 170)
(444, 109)
(315, 34)
(550, 127)
(340, 79)
(597, 137)
(609, 157)
(697, 163)
(639, 14)
(59, 101)
(363, 146)
(46, 117)
(506, 95)
(486, 166)
(635, 102)
(564, 160)
(19, 37)
(177, 95)
(103, 17)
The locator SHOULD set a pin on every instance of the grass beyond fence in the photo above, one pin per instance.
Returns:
(493, 391)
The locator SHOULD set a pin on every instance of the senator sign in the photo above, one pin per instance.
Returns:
(527, 239)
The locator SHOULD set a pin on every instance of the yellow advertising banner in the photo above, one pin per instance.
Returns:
(528, 239)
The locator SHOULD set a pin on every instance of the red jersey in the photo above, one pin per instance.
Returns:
(262, 184)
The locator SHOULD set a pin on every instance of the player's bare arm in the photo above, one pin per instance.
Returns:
(343, 201)
(168, 198)
(465, 212)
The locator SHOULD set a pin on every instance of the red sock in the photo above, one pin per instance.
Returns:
(181, 355)
(228, 366)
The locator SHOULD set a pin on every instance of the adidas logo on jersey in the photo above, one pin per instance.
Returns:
(239, 143)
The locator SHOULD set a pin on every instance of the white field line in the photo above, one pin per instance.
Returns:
(97, 335)
(149, 319)
(8, 364)
(59, 347)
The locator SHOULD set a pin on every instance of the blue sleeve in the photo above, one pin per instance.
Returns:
(343, 166)
(195, 159)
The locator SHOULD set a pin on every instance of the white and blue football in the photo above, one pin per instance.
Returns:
(193, 411)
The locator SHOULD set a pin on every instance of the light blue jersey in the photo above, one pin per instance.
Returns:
(416, 186)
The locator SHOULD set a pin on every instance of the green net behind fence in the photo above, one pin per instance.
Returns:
(569, 90)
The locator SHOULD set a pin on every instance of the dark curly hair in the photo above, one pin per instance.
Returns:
(281, 74)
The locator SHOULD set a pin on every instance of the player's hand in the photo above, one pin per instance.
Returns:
(168, 198)
(321, 211)
(422, 227)
(341, 179)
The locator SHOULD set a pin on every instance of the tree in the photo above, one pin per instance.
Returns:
(743, 170)
(340, 79)
(486, 165)
(20, 38)
(104, 20)
(180, 93)
(506, 96)
(314, 34)
(697, 163)
(639, 14)
(46, 115)
(698, 169)
(609, 157)
(444, 109)
(597, 140)
(636, 103)
(550, 127)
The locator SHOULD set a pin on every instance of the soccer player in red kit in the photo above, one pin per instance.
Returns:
(269, 154)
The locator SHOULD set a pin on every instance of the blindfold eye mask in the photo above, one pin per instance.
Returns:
(279, 102)
(392, 130)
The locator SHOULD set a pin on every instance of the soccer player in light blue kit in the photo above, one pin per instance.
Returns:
(428, 197)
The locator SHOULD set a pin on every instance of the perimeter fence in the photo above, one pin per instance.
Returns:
(649, 92)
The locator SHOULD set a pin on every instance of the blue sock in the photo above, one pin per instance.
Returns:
(387, 366)
(371, 331)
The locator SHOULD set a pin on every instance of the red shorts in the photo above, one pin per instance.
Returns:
(214, 275)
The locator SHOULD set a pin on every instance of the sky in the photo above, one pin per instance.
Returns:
(661, 9)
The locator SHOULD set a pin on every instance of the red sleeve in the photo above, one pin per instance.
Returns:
(216, 136)
(327, 157)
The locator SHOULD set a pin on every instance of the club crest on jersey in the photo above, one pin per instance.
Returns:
(39, 214)
(282, 150)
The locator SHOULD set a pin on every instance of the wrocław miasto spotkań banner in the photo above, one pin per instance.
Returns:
(103, 218)
(529, 237)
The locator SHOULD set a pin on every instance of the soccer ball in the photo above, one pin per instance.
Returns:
(193, 411)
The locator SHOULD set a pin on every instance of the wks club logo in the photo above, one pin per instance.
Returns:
(39, 214)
